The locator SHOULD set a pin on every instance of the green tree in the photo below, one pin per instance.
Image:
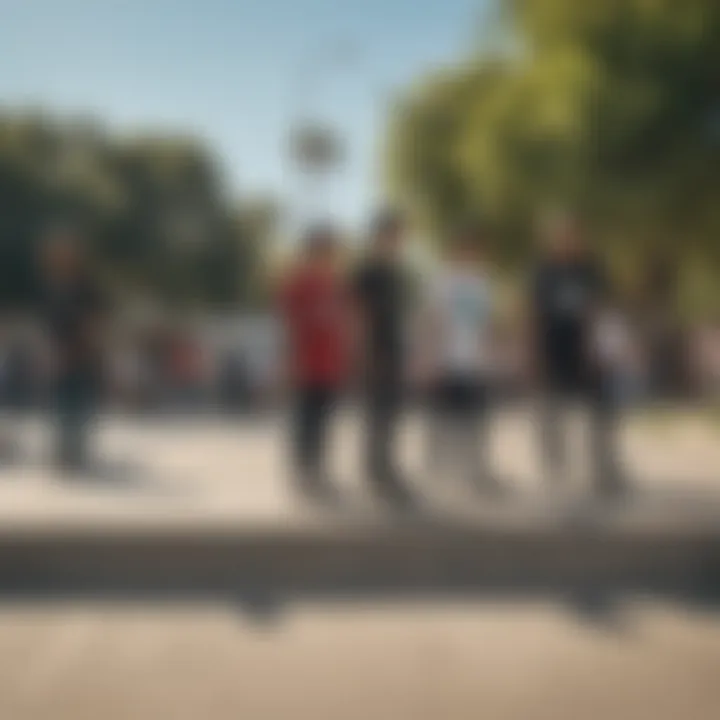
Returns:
(612, 106)
(156, 208)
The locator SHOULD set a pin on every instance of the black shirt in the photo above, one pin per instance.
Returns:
(566, 297)
(380, 288)
(72, 311)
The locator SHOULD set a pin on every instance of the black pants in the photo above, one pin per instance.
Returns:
(598, 405)
(383, 408)
(76, 400)
(314, 406)
(457, 437)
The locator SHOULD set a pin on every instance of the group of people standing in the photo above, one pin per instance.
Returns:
(349, 333)
(352, 331)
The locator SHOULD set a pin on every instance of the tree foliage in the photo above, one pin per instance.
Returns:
(609, 106)
(156, 210)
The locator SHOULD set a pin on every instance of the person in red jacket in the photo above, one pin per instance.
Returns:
(315, 308)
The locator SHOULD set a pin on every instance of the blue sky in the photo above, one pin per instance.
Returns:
(230, 71)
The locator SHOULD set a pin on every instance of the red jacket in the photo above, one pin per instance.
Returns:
(315, 306)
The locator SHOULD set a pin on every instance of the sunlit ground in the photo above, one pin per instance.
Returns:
(405, 662)
(212, 471)
(421, 659)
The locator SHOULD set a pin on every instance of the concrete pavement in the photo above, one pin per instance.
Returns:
(195, 473)
(461, 661)
(207, 505)
(187, 583)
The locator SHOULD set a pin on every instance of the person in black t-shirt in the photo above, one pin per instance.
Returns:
(380, 290)
(73, 311)
(569, 293)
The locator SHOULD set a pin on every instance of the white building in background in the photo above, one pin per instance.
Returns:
(256, 339)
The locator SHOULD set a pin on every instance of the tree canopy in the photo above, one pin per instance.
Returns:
(156, 209)
(611, 107)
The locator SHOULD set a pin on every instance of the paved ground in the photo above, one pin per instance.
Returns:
(75, 656)
(495, 661)
(214, 473)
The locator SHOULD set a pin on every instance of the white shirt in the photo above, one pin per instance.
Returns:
(613, 341)
(461, 304)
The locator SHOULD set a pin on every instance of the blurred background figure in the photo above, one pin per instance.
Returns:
(187, 372)
(620, 355)
(707, 362)
(459, 340)
(569, 295)
(6, 435)
(381, 289)
(74, 310)
(126, 373)
(234, 387)
(22, 384)
(314, 302)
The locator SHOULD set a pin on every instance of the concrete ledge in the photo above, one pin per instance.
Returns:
(389, 557)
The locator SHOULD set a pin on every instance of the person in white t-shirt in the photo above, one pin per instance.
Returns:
(459, 359)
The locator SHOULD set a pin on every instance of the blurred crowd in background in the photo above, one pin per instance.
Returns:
(235, 365)
(160, 368)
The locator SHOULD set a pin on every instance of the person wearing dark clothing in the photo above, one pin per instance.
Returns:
(18, 390)
(21, 374)
(73, 309)
(235, 390)
(7, 393)
(315, 308)
(568, 296)
(380, 291)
